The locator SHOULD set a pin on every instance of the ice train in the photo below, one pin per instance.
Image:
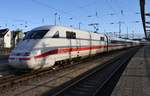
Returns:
(47, 45)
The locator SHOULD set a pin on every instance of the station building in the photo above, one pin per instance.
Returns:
(9, 39)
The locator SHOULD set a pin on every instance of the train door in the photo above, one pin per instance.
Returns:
(90, 44)
(100, 44)
(71, 36)
(78, 46)
(70, 48)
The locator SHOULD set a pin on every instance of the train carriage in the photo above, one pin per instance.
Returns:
(44, 46)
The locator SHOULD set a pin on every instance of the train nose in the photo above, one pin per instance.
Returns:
(19, 60)
(20, 63)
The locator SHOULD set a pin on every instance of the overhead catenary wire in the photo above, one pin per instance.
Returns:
(69, 13)
(112, 8)
(50, 7)
(59, 12)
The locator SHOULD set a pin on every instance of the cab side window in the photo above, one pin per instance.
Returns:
(56, 35)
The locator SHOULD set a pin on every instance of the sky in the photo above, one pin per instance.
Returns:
(28, 14)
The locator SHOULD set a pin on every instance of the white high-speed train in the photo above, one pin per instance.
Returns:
(47, 45)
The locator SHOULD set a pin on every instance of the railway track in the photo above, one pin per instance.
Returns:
(98, 81)
(9, 81)
(19, 76)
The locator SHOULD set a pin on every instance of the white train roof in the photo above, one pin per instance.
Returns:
(123, 40)
(49, 27)
(117, 39)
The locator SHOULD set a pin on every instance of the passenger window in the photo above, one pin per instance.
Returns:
(102, 38)
(56, 35)
(70, 35)
(74, 35)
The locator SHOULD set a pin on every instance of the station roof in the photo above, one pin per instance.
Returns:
(144, 15)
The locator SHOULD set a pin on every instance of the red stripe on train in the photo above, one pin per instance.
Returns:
(65, 50)
(19, 58)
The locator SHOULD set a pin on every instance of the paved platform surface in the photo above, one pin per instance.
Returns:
(135, 81)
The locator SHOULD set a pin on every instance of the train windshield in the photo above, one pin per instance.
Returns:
(38, 34)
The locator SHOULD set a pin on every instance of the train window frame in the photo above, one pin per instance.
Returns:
(56, 35)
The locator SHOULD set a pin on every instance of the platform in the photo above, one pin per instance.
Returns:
(135, 81)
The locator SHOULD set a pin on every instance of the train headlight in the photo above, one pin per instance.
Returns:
(36, 52)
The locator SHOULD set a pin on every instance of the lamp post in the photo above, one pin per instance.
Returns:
(127, 33)
(120, 22)
(71, 25)
(80, 25)
(26, 24)
(59, 18)
(134, 22)
(133, 34)
(55, 21)
(114, 31)
(95, 25)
